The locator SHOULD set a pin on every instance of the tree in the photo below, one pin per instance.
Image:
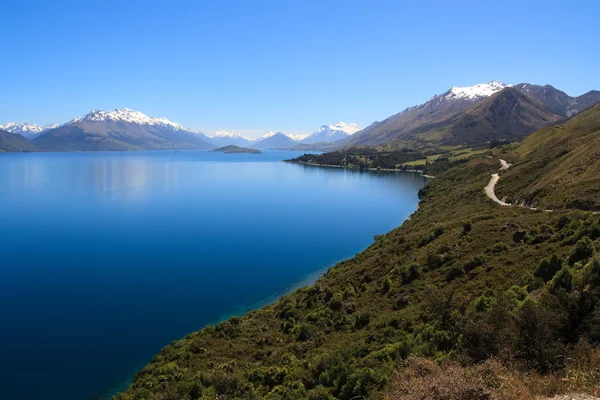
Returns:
(583, 249)
(549, 267)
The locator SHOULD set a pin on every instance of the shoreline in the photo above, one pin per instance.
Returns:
(360, 169)
(270, 299)
(307, 280)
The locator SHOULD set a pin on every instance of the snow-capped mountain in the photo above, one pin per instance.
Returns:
(266, 135)
(332, 133)
(27, 130)
(121, 129)
(474, 92)
(299, 137)
(128, 115)
(229, 134)
(448, 117)
(226, 138)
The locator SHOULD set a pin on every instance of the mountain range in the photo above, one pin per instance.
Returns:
(476, 114)
(30, 131)
(121, 129)
(126, 129)
(229, 138)
(471, 115)
(279, 140)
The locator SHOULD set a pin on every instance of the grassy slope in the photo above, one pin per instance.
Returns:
(345, 336)
(558, 166)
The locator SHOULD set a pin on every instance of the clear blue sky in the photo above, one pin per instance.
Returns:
(282, 65)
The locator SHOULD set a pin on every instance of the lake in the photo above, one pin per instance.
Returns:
(107, 257)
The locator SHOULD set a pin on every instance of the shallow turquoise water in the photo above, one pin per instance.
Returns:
(107, 257)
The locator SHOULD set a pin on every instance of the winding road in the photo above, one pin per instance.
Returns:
(489, 189)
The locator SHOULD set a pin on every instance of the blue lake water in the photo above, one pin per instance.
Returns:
(107, 257)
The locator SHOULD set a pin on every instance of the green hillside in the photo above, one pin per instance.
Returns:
(558, 166)
(463, 279)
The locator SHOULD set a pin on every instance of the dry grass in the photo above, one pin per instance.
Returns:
(422, 379)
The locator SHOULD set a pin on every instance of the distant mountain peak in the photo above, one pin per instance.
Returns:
(267, 134)
(350, 128)
(475, 92)
(228, 134)
(121, 129)
(128, 115)
(277, 140)
(300, 136)
(332, 133)
(26, 129)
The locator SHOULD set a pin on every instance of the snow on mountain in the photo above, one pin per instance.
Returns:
(128, 115)
(299, 137)
(350, 128)
(26, 129)
(227, 138)
(332, 133)
(475, 92)
(266, 135)
(228, 134)
(121, 129)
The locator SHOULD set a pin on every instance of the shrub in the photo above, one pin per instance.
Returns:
(362, 320)
(434, 260)
(563, 221)
(474, 262)
(425, 240)
(304, 331)
(349, 292)
(410, 273)
(562, 280)
(533, 282)
(455, 272)
(336, 301)
(583, 249)
(548, 267)
(362, 382)
(401, 302)
(499, 248)
(320, 393)
(466, 227)
(387, 284)
(538, 344)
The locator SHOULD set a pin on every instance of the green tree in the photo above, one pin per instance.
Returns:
(549, 267)
(583, 249)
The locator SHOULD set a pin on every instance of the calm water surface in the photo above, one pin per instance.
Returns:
(107, 257)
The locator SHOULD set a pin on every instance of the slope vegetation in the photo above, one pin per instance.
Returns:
(463, 279)
(558, 166)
